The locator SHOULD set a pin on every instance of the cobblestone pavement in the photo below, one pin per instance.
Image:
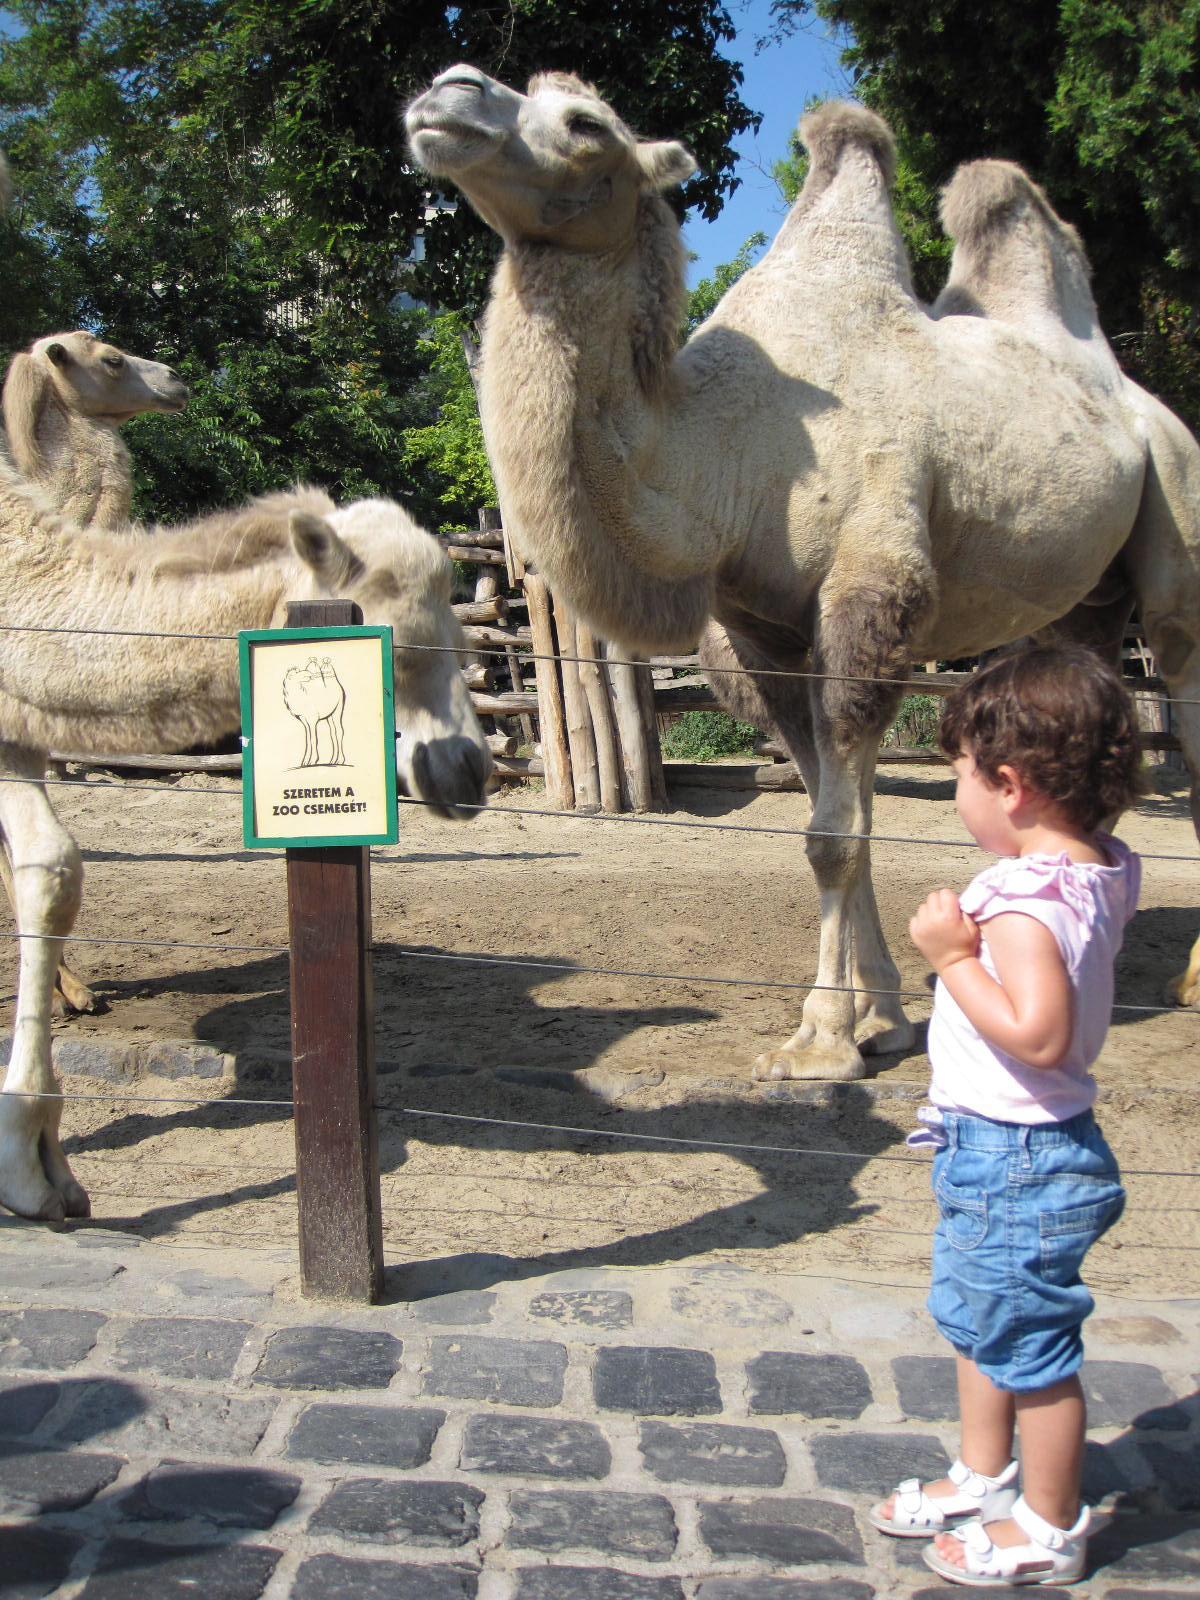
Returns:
(176, 1424)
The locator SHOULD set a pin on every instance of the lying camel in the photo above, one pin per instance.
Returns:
(829, 479)
(115, 664)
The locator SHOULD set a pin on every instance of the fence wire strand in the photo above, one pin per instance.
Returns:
(914, 684)
(563, 1130)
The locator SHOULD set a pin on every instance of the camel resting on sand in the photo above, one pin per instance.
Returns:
(112, 667)
(64, 400)
(829, 478)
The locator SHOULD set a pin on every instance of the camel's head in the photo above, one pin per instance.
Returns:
(373, 553)
(98, 380)
(556, 164)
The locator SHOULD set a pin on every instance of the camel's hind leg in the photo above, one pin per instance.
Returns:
(75, 993)
(1162, 558)
(35, 1180)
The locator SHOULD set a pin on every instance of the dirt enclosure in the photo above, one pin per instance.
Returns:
(581, 1095)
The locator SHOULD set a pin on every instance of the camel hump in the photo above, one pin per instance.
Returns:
(829, 130)
(985, 199)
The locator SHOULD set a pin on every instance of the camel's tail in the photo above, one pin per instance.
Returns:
(840, 125)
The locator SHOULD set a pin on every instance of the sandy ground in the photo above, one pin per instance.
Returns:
(662, 955)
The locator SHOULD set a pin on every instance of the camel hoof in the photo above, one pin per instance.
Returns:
(75, 994)
(48, 1207)
(1184, 991)
(880, 1037)
(75, 1200)
(814, 1062)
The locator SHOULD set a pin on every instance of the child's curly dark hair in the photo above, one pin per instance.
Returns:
(1061, 718)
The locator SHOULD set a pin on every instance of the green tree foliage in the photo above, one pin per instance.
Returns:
(225, 184)
(452, 447)
(1098, 99)
(702, 300)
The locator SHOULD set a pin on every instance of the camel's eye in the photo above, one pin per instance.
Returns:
(113, 363)
(580, 122)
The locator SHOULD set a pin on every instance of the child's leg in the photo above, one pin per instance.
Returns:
(987, 1415)
(1052, 1424)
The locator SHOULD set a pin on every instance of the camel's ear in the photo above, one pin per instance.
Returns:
(314, 541)
(666, 162)
(26, 390)
(57, 355)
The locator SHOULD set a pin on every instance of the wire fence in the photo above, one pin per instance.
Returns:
(273, 1184)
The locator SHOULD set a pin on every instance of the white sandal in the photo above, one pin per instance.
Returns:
(1052, 1555)
(916, 1516)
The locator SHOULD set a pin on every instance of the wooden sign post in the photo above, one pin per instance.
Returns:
(322, 782)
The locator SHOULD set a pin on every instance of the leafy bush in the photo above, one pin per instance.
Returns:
(916, 723)
(706, 736)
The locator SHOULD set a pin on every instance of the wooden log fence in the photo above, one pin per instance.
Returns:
(593, 709)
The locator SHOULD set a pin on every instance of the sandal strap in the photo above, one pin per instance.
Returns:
(1045, 1533)
(978, 1484)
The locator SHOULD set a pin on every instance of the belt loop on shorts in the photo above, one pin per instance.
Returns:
(1023, 1140)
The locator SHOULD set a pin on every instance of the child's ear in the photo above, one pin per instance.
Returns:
(1011, 788)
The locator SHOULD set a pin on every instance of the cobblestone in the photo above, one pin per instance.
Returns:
(172, 1430)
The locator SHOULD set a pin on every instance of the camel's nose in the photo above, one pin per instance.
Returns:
(450, 774)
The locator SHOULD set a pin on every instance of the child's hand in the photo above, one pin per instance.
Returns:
(942, 931)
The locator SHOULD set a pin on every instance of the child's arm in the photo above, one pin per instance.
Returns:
(1027, 1014)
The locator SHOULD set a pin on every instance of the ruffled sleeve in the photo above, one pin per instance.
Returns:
(1012, 885)
(1045, 886)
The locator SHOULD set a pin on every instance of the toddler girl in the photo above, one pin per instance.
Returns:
(1045, 747)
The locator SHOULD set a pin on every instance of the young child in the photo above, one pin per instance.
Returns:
(1044, 744)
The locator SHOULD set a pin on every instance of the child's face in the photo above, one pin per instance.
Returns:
(981, 806)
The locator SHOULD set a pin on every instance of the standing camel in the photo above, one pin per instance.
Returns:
(829, 478)
(101, 653)
(314, 695)
(63, 401)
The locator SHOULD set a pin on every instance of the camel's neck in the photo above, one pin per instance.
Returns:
(576, 397)
(84, 468)
(99, 686)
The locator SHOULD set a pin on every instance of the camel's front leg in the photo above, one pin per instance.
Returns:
(867, 621)
(35, 1180)
(823, 1046)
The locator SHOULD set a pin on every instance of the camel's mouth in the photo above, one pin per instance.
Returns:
(446, 124)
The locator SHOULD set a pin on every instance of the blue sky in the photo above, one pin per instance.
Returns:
(777, 83)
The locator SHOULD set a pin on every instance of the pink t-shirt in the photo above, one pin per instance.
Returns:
(1086, 907)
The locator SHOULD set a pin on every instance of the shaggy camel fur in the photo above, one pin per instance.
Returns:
(64, 400)
(114, 679)
(828, 478)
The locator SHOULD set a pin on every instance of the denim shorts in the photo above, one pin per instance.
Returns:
(1019, 1209)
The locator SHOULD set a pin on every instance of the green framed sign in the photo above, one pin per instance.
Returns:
(318, 737)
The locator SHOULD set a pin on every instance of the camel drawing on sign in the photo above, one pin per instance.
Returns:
(314, 695)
